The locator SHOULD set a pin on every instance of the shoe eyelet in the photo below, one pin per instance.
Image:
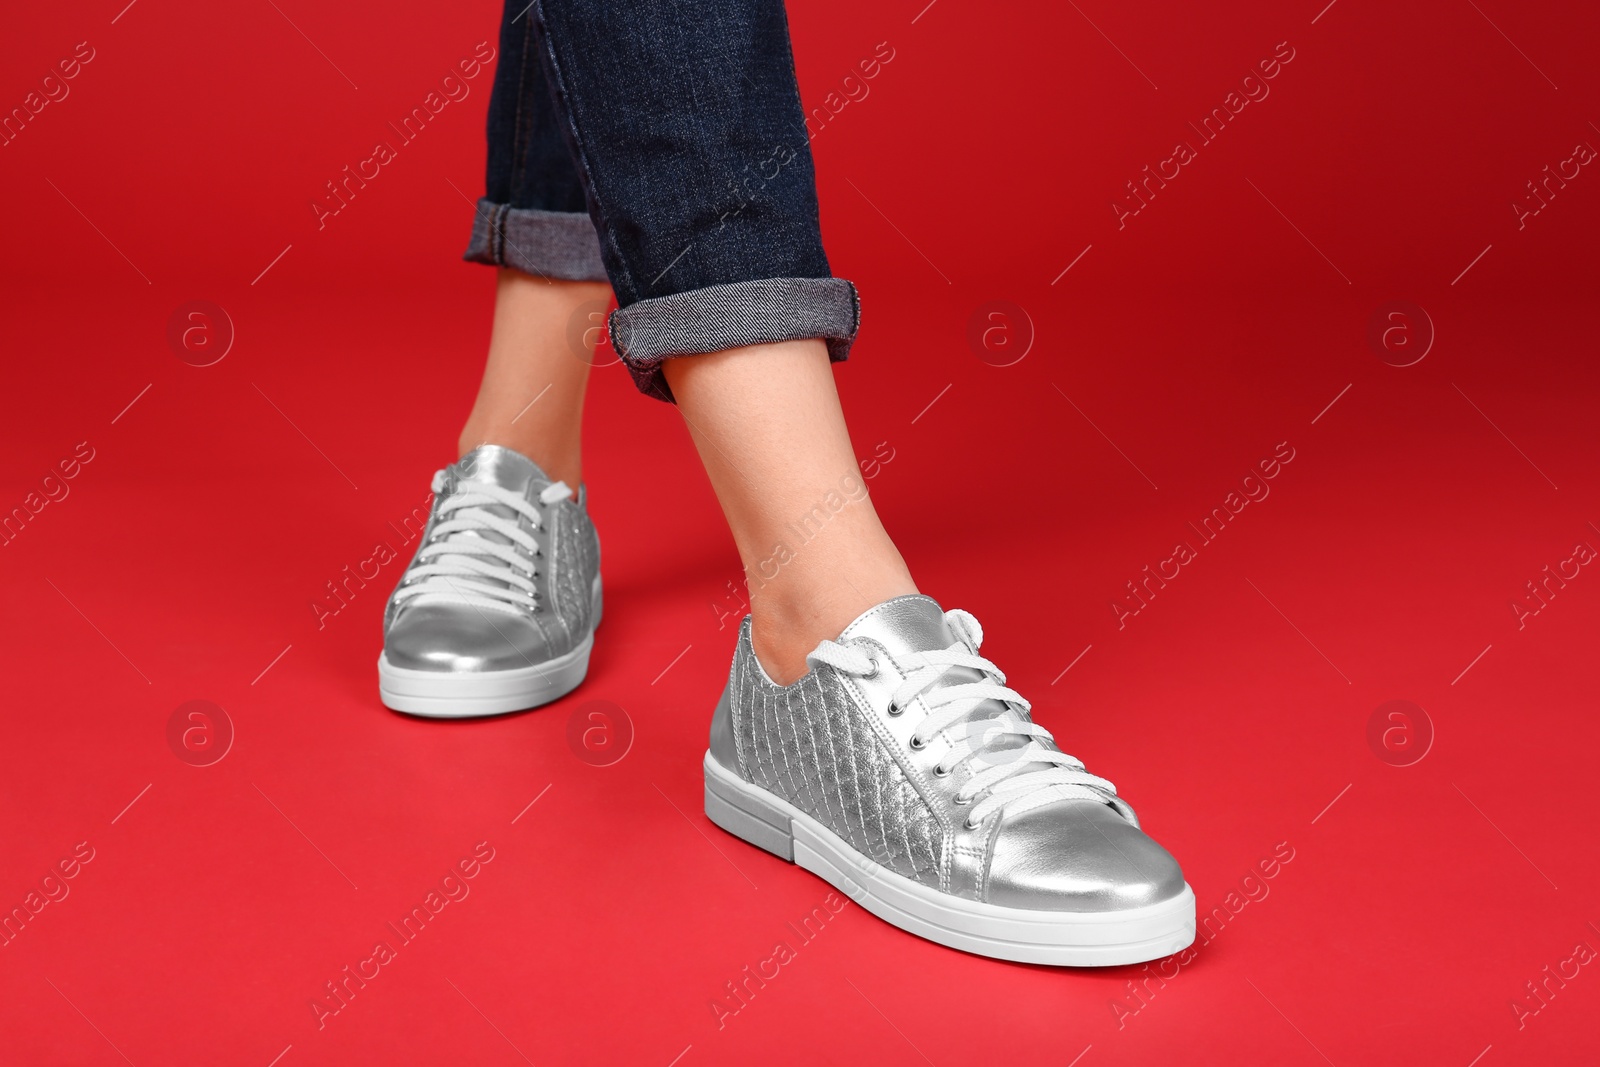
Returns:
(895, 710)
(941, 771)
(873, 673)
(960, 801)
(969, 825)
(917, 744)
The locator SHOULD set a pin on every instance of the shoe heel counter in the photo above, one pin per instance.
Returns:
(723, 748)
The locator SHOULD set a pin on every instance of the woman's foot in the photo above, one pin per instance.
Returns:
(767, 423)
(900, 769)
(497, 611)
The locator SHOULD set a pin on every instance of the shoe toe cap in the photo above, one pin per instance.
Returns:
(1078, 856)
(428, 637)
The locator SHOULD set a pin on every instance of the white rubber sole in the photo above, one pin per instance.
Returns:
(1069, 939)
(443, 695)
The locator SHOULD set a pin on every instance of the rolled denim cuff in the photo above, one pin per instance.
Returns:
(546, 244)
(716, 317)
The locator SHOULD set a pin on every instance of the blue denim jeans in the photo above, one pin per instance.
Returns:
(661, 147)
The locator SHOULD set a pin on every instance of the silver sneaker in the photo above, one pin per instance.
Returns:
(497, 610)
(902, 770)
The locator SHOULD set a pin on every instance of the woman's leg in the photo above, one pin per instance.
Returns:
(686, 127)
(540, 349)
(860, 733)
(552, 292)
(496, 611)
(698, 177)
(767, 423)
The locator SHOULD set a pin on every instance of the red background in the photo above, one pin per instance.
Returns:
(1233, 710)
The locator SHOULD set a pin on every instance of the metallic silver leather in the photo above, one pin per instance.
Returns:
(1076, 855)
(829, 745)
(723, 746)
(460, 638)
(814, 746)
(900, 632)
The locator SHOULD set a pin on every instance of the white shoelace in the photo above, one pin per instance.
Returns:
(461, 565)
(1009, 780)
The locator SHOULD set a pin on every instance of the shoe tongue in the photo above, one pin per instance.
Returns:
(916, 624)
(504, 467)
(905, 624)
(498, 466)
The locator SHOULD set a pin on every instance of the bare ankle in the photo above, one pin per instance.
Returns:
(531, 396)
(785, 628)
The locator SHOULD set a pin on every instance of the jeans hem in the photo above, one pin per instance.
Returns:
(710, 319)
(546, 244)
